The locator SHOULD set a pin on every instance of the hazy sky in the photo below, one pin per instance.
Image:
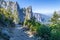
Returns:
(41, 6)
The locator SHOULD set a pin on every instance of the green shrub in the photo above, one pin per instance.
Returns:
(6, 17)
(44, 32)
(55, 34)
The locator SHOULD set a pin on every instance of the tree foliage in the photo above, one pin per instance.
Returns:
(55, 18)
(6, 17)
(55, 26)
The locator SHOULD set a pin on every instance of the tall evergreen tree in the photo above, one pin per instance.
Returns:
(55, 18)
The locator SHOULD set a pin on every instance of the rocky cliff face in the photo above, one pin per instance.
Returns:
(41, 17)
(20, 14)
(28, 12)
(25, 14)
(12, 7)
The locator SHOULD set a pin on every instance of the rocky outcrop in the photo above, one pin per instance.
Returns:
(25, 14)
(11, 7)
(28, 12)
(20, 14)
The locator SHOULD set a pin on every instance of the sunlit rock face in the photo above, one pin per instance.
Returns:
(11, 7)
(29, 12)
(37, 16)
(41, 18)
(25, 14)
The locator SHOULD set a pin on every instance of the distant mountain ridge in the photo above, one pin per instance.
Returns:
(41, 17)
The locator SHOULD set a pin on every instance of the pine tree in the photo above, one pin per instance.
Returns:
(55, 18)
